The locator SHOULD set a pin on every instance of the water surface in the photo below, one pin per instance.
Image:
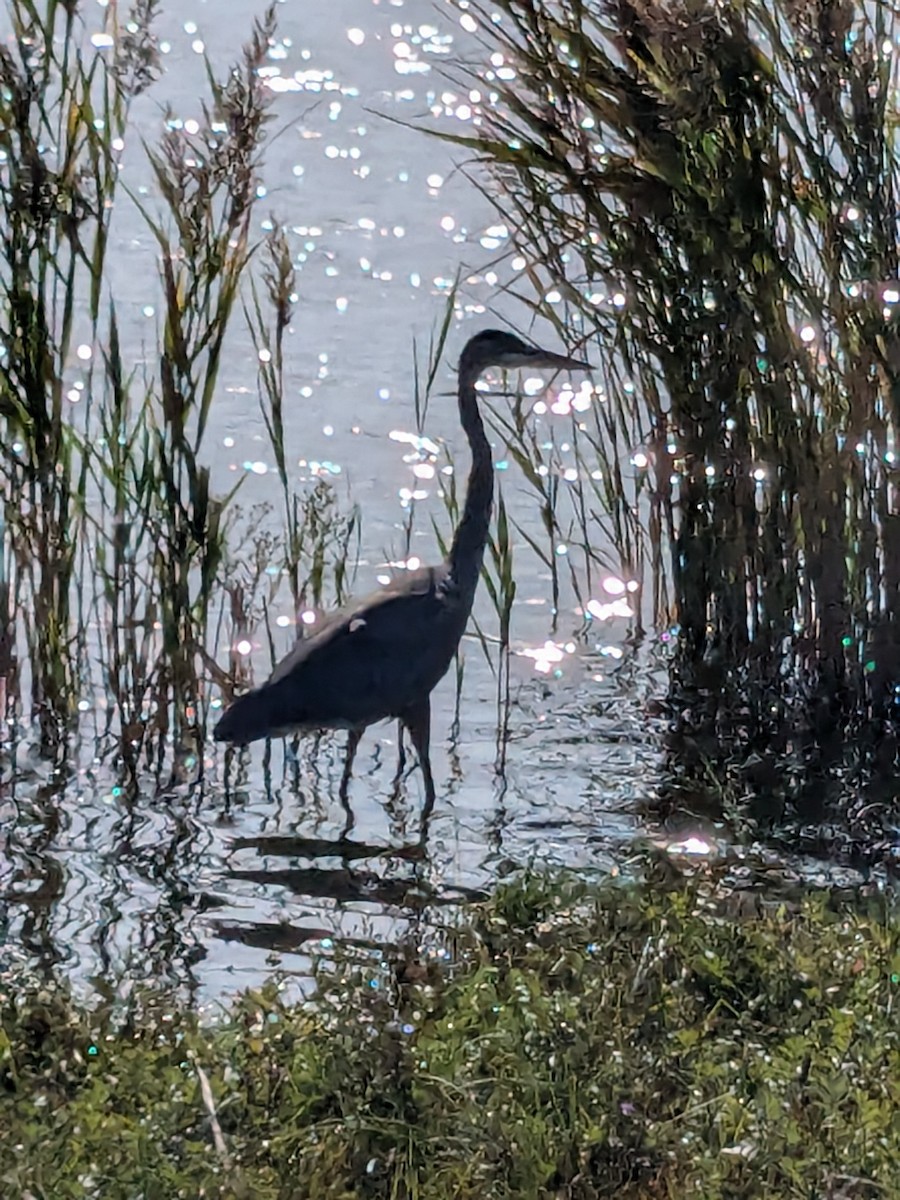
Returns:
(216, 880)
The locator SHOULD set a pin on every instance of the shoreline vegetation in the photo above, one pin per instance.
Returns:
(710, 192)
(670, 1038)
(123, 573)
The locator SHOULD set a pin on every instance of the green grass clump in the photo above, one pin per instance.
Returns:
(622, 1041)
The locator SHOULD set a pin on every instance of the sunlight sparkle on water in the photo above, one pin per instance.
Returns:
(584, 397)
(494, 236)
(407, 495)
(546, 657)
(605, 612)
(413, 439)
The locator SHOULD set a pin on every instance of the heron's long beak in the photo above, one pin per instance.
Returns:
(546, 358)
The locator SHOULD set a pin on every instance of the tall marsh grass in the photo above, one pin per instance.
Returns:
(117, 574)
(712, 189)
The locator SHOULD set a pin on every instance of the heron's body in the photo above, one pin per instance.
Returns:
(382, 657)
(378, 642)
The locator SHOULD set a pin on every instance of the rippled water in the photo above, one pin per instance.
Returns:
(221, 881)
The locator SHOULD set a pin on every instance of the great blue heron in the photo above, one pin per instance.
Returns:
(382, 656)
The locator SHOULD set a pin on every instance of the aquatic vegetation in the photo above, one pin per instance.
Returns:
(111, 520)
(709, 194)
(669, 1038)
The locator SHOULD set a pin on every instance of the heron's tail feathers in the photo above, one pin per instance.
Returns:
(267, 711)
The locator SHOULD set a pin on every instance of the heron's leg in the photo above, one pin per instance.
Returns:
(401, 750)
(353, 739)
(418, 721)
(401, 761)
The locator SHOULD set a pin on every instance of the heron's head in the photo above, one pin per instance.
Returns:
(496, 348)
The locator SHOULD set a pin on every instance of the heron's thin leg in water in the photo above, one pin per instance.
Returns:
(353, 740)
(418, 721)
(401, 752)
(397, 781)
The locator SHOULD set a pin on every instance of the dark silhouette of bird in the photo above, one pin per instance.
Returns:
(381, 657)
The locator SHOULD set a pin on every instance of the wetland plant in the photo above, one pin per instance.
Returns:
(712, 191)
(207, 182)
(317, 535)
(62, 121)
(497, 569)
(666, 1039)
(117, 575)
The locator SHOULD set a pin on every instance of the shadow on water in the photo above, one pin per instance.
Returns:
(407, 898)
(155, 880)
(202, 884)
(343, 884)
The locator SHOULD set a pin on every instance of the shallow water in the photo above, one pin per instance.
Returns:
(217, 881)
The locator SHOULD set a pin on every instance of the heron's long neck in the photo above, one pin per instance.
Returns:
(470, 537)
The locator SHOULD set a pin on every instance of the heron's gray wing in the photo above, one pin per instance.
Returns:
(378, 655)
